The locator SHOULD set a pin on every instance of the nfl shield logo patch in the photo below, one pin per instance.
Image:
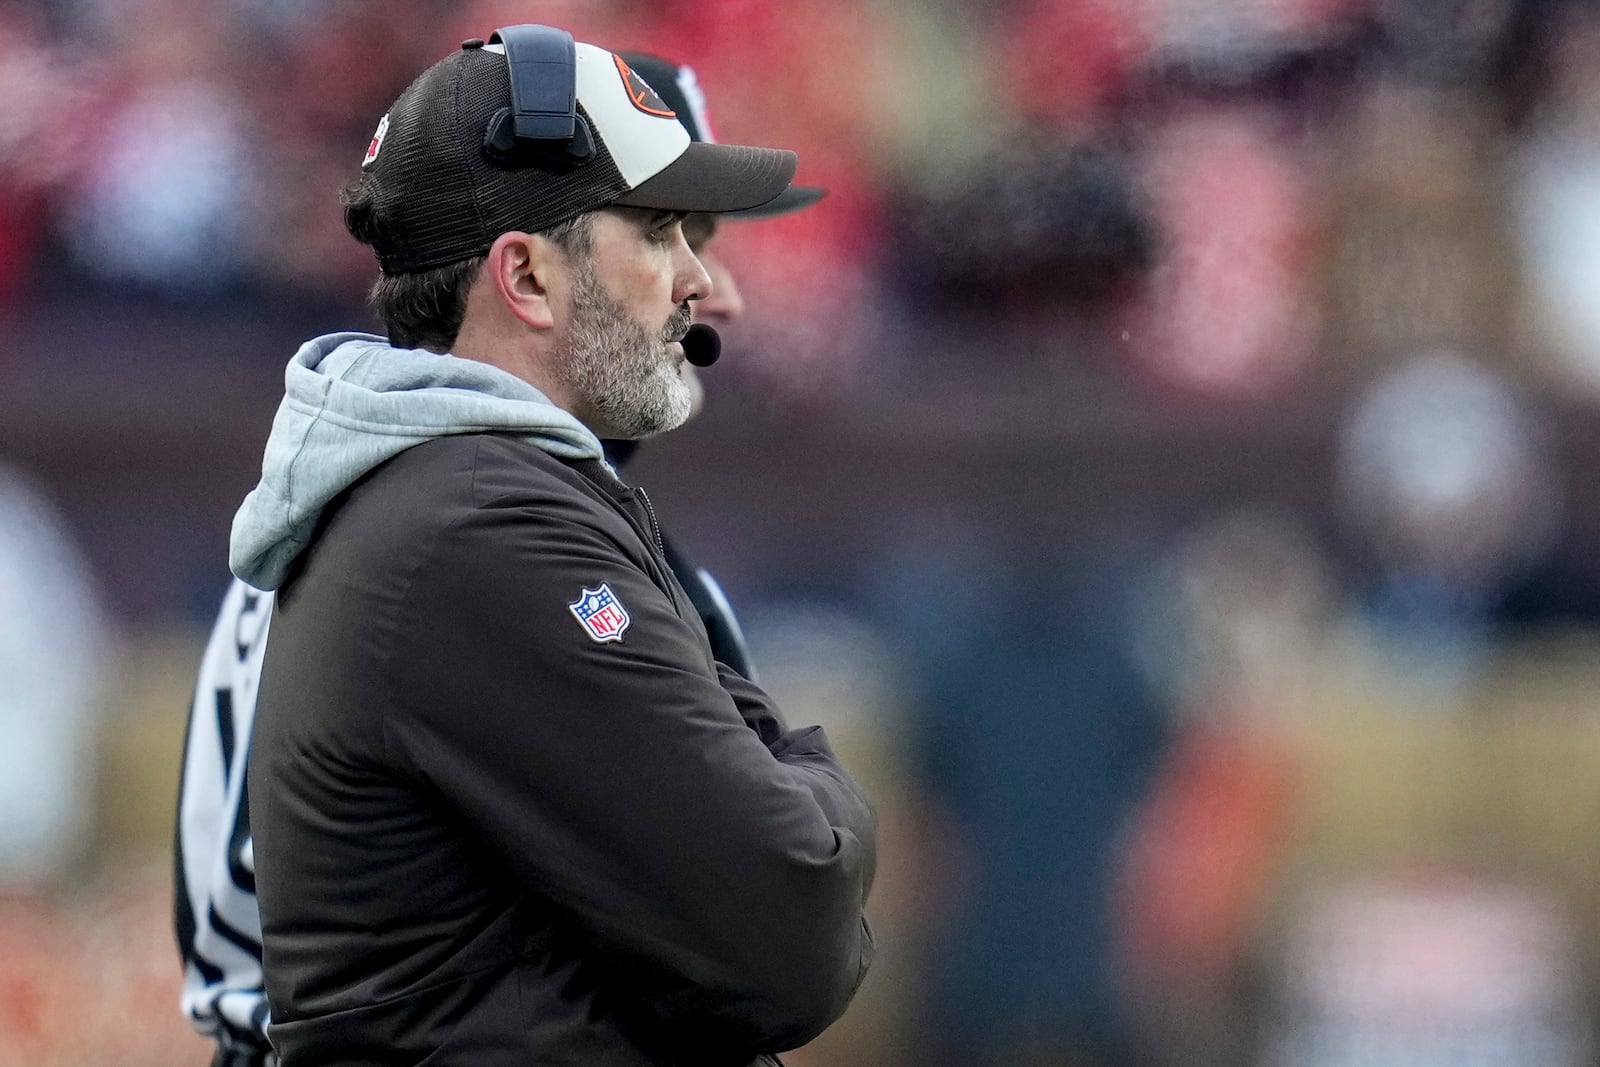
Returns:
(601, 613)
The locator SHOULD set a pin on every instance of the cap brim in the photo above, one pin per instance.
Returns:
(716, 178)
(791, 199)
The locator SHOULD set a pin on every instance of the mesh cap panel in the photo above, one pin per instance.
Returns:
(438, 195)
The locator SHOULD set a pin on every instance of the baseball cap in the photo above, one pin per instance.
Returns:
(479, 145)
(678, 86)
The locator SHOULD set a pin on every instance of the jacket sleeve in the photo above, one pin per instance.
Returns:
(719, 861)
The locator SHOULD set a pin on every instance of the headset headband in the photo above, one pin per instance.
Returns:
(543, 67)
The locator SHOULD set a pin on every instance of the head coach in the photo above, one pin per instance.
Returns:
(507, 806)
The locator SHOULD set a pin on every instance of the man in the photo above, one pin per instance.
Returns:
(218, 923)
(580, 916)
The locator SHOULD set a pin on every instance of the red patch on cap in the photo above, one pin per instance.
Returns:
(377, 141)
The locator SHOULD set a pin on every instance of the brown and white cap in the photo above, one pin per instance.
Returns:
(462, 157)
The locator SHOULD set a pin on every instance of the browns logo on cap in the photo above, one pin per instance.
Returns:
(644, 98)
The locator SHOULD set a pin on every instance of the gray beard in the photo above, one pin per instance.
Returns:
(627, 381)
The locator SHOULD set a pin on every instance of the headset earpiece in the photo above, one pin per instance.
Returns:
(502, 145)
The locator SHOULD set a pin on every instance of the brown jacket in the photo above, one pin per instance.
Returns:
(486, 834)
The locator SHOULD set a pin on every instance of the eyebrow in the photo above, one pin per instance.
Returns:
(664, 218)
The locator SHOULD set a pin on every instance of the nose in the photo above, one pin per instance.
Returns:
(725, 304)
(692, 281)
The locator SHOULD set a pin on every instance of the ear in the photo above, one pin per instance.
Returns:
(521, 267)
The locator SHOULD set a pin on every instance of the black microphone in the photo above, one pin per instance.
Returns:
(701, 345)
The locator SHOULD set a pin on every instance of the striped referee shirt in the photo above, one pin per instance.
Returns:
(218, 920)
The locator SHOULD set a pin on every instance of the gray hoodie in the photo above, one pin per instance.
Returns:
(352, 401)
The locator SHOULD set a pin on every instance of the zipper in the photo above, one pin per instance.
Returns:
(655, 527)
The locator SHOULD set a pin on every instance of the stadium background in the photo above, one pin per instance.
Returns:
(1164, 461)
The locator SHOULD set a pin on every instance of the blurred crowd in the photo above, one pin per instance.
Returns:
(1161, 460)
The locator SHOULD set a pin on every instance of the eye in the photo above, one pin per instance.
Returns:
(698, 230)
(664, 229)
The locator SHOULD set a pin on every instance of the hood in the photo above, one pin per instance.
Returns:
(352, 401)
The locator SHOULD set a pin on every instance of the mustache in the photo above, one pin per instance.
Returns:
(677, 326)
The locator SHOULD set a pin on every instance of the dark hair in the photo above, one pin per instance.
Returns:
(424, 309)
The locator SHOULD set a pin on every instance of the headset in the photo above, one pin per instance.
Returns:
(542, 126)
